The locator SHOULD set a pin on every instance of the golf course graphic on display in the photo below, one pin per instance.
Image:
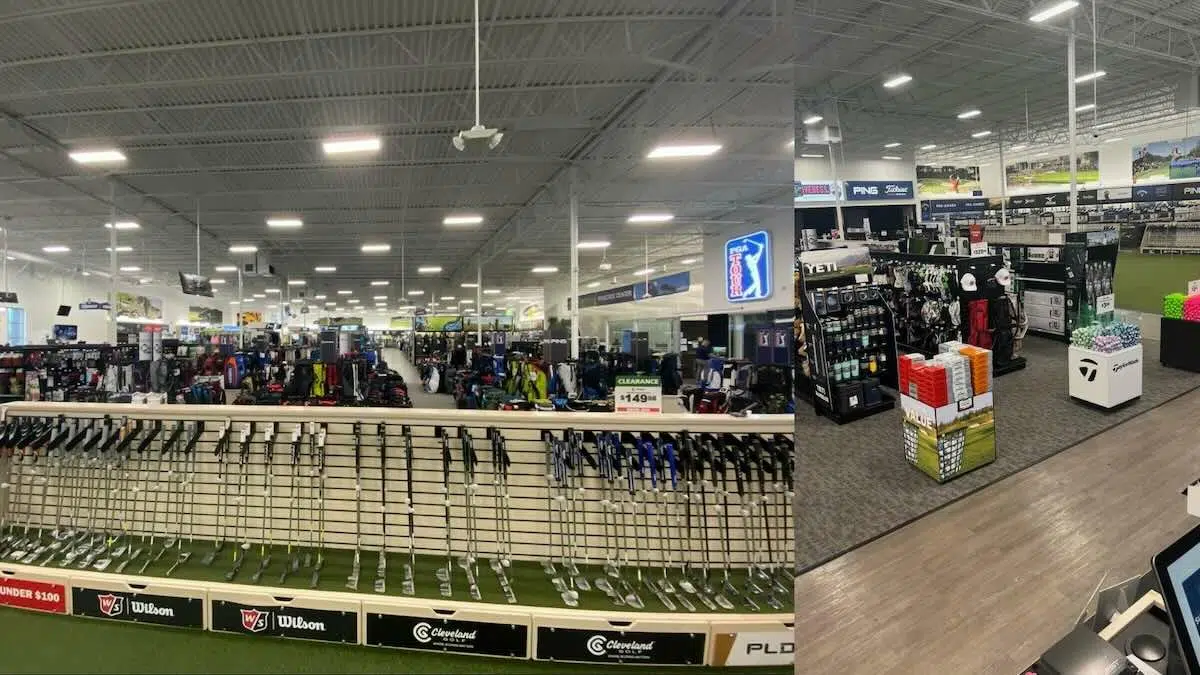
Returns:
(1175, 159)
(1049, 172)
(933, 181)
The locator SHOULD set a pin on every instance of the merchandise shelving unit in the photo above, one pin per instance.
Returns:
(849, 335)
(333, 486)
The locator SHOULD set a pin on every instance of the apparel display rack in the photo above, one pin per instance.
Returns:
(647, 539)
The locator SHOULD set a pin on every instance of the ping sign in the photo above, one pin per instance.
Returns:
(748, 267)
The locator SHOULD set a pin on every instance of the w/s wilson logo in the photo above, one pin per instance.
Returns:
(111, 605)
(257, 621)
(116, 605)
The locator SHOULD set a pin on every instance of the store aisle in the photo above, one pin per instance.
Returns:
(398, 362)
(986, 584)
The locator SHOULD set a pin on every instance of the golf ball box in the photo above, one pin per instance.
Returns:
(949, 440)
(658, 641)
(313, 616)
(158, 604)
(41, 593)
(1105, 379)
(462, 629)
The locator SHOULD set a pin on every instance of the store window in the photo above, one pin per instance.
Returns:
(16, 326)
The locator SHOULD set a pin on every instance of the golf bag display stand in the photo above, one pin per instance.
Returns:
(504, 526)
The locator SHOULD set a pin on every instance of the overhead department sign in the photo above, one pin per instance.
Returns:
(748, 267)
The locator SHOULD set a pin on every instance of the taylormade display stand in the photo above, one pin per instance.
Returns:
(1105, 379)
(504, 534)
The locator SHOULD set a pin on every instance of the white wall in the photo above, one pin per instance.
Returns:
(782, 228)
(856, 169)
(41, 289)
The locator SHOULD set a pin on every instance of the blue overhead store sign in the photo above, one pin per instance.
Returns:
(878, 190)
(748, 267)
(936, 206)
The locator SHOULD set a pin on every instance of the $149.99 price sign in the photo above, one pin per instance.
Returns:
(639, 393)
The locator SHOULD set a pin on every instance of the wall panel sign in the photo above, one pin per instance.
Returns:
(748, 267)
(878, 190)
(1152, 193)
(814, 191)
(1183, 192)
(1171, 159)
(670, 284)
(934, 207)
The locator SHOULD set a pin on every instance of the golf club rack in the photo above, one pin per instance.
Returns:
(655, 539)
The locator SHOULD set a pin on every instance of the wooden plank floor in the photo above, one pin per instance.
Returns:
(987, 583)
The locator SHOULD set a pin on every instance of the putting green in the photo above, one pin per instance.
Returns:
(43, 643)
(1142, 280)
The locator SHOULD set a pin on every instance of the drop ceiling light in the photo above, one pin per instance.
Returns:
(811, 155)
(272, 291)
(416, 292)
(466, 301)
(592, 245)
(56, 249)
(981, 134)
(296, 282)
(379, 297)
(673, 151)
(931, 146)
(284, 223)
(1085, 107)
(320, 297)
(593, 284)
(260, 296)
(1088, 77)
(462, 220)
(376, 248)
(813, 119)
(1018, 147)
(651, 218)
(345, 292)
(354, 301)
(642, 273)
(352, 145)
(129, 249)
(426, 269)
(1054, 10)
(1114, 140)
(216, 282)
(381, 304)
(243, 249)
(468, 285)
(219, 268)
(325, 268)
(123, 225)
(893, 144)
(492, 291)
(448, 298)
(544, 269)
(97, 156)
(688, 261)
(234, 302)
(1103, 125)
(897, 81)
(272, 306)
(966, 115)
(968, 157)
(892, 157)
(131, 268)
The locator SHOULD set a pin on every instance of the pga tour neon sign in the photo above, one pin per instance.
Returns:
(748, 267)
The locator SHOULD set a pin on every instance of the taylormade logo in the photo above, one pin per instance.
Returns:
(426, 633)
(599, 645)
(1118, 367)
(299, 622)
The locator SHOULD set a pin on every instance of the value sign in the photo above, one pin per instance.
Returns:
(42, 596)
(639, 393)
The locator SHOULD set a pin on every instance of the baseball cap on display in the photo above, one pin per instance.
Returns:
(968, 282)
(1004, 277)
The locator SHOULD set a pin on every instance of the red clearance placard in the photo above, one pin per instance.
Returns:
(42, 596)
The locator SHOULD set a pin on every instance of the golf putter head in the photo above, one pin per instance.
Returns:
(687, 604)
(408, 585)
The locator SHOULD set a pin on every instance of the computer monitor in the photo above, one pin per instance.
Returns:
(1178, 572)
(65, 333)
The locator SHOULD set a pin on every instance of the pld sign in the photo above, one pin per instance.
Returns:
(748, 267)
(766, 648)
(639, 393)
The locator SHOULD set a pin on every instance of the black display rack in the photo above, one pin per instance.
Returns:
(848, 327)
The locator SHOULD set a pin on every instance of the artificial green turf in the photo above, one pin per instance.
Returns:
(43, 643)
(529, 582)
(1142, 280)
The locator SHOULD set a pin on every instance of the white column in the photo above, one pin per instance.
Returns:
(112, 263)
(479, 303)
(574, 297)
(1003, 186)
(1071, 124)
(837, 193)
